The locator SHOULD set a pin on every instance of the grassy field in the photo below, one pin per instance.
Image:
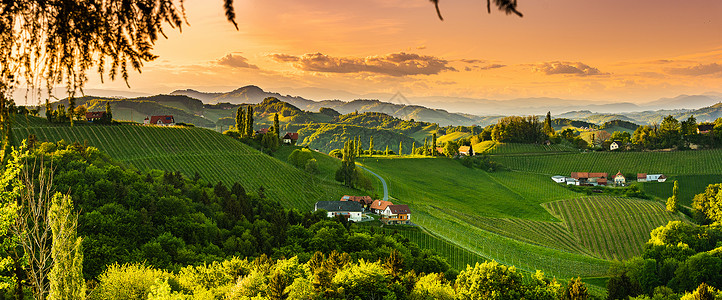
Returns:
(490, 147)
(453, 136)
(495, 215)
(612, 227)
(214, 156)
(694, 169)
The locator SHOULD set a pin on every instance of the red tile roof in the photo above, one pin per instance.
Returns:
(597, 175)
(291, 135)
(641, 175)
(360, 199)
(577, 175)
(263, 131)
(399, 209)
(162, 119)
(94, 115)
(380, 204)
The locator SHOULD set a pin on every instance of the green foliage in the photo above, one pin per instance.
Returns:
(673, 201)
(66, 275)
(327, 137)
(518, 130)
(489, 280)
(128, 281)
(708, 205)
(547, 126)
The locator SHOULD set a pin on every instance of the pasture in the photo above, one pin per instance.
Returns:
(189, 150)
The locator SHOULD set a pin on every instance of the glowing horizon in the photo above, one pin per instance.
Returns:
(615, 50)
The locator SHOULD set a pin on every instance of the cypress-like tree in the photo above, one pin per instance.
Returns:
(108, 113)
(433, 144)
(276, 126)
(71, 109)
(371, 145)
(48, 111)
(673, 202)
(547, 128)
(400, 147)
(413, 148)
(249, 121)
(386, 152)
(66, 275)
(240, 123)
(426, 146)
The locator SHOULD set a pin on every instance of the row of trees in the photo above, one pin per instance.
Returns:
(680, 259)
(348, 174)
(73, 113)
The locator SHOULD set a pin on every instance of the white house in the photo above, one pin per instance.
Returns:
(571, 181)
(656, 177)
(559, 179)
(619, 179)
(347, 209)
(613, 146)
(396, 214)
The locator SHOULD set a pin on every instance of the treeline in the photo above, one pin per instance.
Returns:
(680, 260)
(332, 276)
(167, 221)
(267, 142)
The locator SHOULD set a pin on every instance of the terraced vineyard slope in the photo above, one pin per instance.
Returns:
(189, 150)
(612, 227)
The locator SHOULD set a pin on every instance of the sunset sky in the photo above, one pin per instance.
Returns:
(617, 50)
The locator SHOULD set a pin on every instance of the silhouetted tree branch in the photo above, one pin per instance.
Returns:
(508, 6)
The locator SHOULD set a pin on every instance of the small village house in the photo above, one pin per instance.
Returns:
(641, 177)
(378, 206)
(619, 179)
(614, 146)
(365, 201)
(290, 138)
(166, 120)
(704, 128)
(93, 116)
(589, 178)
(559, 178)
(347, 209)
(440, 150)
(396, 214)
(466, 150)
(262, 131)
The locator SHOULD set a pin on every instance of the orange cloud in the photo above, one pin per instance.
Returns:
(701, 69)
(236, 61)
(394, 64)
(568, 68)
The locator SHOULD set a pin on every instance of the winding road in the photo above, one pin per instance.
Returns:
(383, 182)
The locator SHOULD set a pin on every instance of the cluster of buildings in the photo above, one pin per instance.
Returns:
(596, 179)
(354, 207)
(290, 138)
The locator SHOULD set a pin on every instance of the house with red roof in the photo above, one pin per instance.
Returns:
(94, 116)
(290, 138)
(366, 201)
(166, 120)
(619, 179)
(378, 206)
(396, 214)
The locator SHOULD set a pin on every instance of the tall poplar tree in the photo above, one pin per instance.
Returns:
(240, 123)
(276, 126)
(673, 202)
(108, 113)
(48, 110)
(547, 127)
(433, 144)
(371, 145)
(413, 148)
(400, 147)
(71, 109)
(66, 275)
(249, 121)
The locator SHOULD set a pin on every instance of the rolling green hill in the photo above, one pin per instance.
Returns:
(214, 156)
(326, 137)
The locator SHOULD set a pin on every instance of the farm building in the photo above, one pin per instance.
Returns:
(466, 150)
(571, 181)
(396, 214)
(614, 146)
(619, 179)
(440, 150)
(290, 138)
(644, 177)
(159, 120)
(364, 200)
(93, 116)
(378, 206)
(704, 128)
(558, 178)
(262, 131)
(347, 209)
(589, 178)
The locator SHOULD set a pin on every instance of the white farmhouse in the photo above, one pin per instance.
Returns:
(347, 209)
